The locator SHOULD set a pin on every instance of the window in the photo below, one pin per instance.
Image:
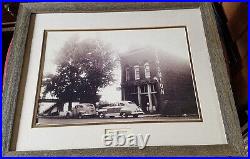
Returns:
(132, 89)
(153, 88)
(137, 72)
(144, 89)
(90, 105)
(147, 70)
(121, 104)
(127, 74)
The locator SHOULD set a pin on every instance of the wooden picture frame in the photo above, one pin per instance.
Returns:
(18, 65)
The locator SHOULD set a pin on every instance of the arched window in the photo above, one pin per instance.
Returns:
(127, 74)
(137, 72)
(147, 70)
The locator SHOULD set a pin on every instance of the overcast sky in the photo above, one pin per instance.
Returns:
(170, 40)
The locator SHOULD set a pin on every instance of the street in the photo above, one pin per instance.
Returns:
(45, 121)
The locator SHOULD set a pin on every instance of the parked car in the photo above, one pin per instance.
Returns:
(81, 110)
(122, 108)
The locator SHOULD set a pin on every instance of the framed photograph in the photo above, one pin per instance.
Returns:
(118, 79)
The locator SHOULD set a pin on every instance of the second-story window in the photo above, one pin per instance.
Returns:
(137, 72)
(127, 74)
(147, 70)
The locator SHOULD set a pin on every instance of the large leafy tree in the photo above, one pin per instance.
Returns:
(83, 67)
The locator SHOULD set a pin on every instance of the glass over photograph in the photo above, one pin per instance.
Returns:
(116, 76)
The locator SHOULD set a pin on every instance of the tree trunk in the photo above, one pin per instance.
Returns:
(70, 106)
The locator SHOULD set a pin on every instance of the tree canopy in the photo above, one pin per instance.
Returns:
(83, 67)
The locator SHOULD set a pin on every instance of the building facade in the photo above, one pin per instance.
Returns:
(158, 83)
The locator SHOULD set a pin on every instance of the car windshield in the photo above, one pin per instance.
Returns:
(131, 103)
(79, 106)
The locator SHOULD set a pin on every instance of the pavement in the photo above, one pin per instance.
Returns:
(42, 121)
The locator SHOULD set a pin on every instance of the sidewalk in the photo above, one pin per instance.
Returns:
(151, 115)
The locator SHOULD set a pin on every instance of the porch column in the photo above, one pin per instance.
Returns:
(123, 94)
(139, 95)
(155, 101)
(150, 99)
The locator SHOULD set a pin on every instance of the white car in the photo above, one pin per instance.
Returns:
(122, 108)
(81, 110)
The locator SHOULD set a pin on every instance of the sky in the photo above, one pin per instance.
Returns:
(170, 40)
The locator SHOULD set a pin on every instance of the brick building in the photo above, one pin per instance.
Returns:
(158, 82)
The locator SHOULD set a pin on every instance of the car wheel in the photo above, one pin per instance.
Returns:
(67, 116)
(124, 115)
(135, 115)
(101, 115)
(79, 116)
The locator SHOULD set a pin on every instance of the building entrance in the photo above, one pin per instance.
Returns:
(147, 98)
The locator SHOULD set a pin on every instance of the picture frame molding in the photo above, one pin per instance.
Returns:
(17, 67)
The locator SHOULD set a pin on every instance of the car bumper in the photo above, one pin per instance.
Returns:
(137, 113)
(87, 114)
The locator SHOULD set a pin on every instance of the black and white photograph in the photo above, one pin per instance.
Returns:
(122, 75)
(146, 79)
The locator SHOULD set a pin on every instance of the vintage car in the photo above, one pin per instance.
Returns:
(81, 110)
(122, 108)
